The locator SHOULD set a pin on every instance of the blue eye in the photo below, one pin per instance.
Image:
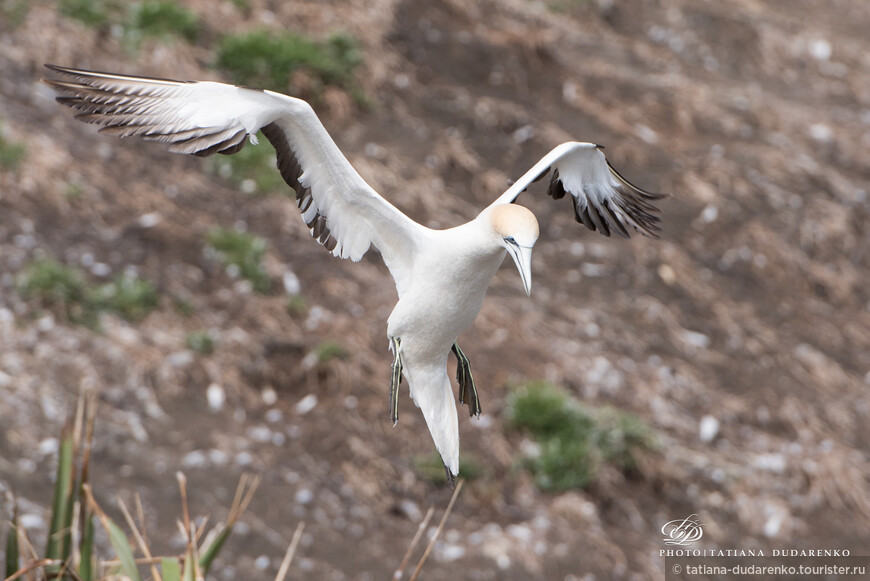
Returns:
(510, 240)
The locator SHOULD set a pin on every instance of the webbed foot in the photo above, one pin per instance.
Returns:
(467, 390)
(395, 380)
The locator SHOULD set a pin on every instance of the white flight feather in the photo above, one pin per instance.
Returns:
(579, 164)
(355, 214)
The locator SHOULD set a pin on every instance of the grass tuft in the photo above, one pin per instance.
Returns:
(329, 350)
(564, 464)
(162, 19)
(574, 442)
(547, 412)
(431, 468)
(201, 342)
(242, 254)
(58, 286)
(53, 282)
(14, 12)
(297, 304)
(93, 13)
(623, 437)
(253, 169)
(11, 154)
(71, 553)
(128, 295)
(267, 60)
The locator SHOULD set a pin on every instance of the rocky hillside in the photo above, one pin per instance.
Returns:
(741, 339)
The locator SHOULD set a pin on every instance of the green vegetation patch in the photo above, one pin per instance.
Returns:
(11, 154)
(163, 19)
(59, 286)
(14, 12)
(253, 169)
(128, 295)
(575, 441)
(297, 304)
(267, 60)
(201, 342)
(329, 350)
(64, 287)
(430, 467)
(242, 254)
(93, 13)
(53, 282)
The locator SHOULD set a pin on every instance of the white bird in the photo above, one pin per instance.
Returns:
(441, 275)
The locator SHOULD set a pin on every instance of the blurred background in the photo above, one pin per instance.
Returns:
(723, 370)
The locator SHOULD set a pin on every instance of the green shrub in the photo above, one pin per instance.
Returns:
(547, 412)
(242, 253)
(91, 12)
(58, 286)
(623, 437)
(162, 19)
(297, 304)
(53, 283)
(574, 442)
(565, 463)
(253, 169)
(200, 341)
(128, 295)
(11, 154)
(14, 11)
(329, 350)
(264, 59)
(430, 467)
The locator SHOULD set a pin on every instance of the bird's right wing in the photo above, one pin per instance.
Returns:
(603, 199)
(341, 210)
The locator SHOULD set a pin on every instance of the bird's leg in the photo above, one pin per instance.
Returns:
(467, 391)
(395, 379)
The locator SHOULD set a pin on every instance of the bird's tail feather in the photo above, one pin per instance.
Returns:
(433, 394)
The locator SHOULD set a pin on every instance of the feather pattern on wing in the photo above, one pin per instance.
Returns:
(604, 201)
(342, 212)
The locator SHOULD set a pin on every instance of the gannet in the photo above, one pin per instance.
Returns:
(441, 275)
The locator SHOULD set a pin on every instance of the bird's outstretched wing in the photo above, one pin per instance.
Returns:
(202, 118)
(604, 201)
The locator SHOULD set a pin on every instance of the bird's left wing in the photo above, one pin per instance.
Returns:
(201, 118)
(603, 199)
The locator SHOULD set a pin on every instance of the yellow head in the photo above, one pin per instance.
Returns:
(518, 229)
(517, 222)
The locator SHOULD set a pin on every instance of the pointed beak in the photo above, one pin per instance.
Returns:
(522, 256)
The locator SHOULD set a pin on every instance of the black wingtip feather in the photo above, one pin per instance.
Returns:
(644, 193)
(556, 190)
(631, 206)
(291, 170)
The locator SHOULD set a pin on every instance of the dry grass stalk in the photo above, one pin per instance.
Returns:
(437, 531)
(140, 538)
(397, 575)
(33, 566)
(243, 498)
(291, 550)
(185, 513)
